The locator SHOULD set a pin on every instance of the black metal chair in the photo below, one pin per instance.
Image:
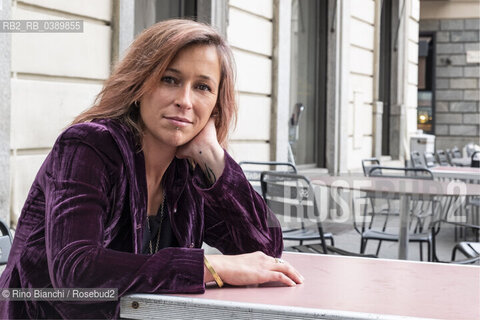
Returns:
(449, 154)
(469, 149)
(367, 164)
(417, 160)
(430, 160)
(297, 230)
(292, 197)
(253, 169)
(422, 211)
(456, 153)
(475, 159)
(471, 250)
(380, 205)
(442, 158)
(6, 240)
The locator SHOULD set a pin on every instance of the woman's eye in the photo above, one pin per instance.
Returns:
(204, 87)
(169, 80)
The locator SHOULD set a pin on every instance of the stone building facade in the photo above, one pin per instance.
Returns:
(457, 80)
(324, 54)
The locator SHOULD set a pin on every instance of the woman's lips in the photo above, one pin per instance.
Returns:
(178, 121)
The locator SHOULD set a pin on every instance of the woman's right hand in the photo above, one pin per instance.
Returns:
(252, 268)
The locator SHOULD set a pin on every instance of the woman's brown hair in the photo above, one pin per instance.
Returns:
(145, 62)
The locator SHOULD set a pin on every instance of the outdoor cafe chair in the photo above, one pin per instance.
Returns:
(471, 250)
(422, 211)
(469, 149)
(430, 160)
(5, 242)
(291, 197)
(417, 160)
(456, 153)
(449, 154)
(253, 170)
(380, 205)
(442, 158)
(367, 164)
(475, 159)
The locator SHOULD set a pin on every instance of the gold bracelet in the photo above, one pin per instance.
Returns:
(215, 275)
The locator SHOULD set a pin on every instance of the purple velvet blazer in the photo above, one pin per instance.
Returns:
(82, 224)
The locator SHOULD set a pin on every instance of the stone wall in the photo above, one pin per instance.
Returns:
(5, 118)
(457, 119)
(54, 76)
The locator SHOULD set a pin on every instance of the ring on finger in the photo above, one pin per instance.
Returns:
(278, 260)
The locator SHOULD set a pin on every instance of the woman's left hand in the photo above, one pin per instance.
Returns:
(205, 150)
(205, 139)
(252, 268)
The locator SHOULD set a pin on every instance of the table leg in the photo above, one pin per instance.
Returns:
(403, 229)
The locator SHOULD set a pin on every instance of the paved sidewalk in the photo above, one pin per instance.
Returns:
(347, 238)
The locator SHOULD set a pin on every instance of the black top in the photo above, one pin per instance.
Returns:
(167, 238)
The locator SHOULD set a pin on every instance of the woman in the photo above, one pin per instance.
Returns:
(131, 190)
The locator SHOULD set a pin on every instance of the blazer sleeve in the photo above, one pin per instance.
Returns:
(237, 219)
(77, 182)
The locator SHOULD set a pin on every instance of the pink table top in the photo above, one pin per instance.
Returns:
(374, 286)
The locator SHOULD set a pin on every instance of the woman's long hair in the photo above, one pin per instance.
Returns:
(146, 61)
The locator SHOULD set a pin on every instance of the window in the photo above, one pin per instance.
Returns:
(426, 106)
(385, 78)
(308, 81)
(148, 12)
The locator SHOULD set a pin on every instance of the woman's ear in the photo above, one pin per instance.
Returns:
(215, 112)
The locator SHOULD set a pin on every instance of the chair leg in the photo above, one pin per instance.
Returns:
(421, 250)
(429, 252)
(433, 247)
(454, 253)
(363, 245)
(455, 236)
(378, 247)
(476, 217)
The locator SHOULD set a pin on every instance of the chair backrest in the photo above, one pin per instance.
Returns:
(5, 243)
(470, 149)
(442, 158)
(430, 160)
(420, 208)
(457, 154)
(368, 163)
(476, 159)
(417, 160)
(449, 154)
(253, 170)
(291, 197)
(406, 173)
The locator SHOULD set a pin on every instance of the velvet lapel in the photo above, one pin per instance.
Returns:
(135, 170)
(175, 181)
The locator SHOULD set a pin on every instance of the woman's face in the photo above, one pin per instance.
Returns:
(180, 105)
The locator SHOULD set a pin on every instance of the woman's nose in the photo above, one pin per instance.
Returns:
(184, 99)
